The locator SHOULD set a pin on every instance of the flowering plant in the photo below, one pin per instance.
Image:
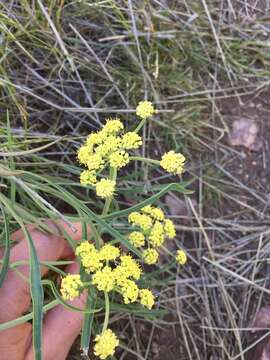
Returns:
(106, 267)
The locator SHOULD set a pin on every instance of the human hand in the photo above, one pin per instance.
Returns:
(60, 325)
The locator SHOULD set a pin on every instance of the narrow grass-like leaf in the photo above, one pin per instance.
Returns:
(88, 321)
(150, 200)
(5, 262)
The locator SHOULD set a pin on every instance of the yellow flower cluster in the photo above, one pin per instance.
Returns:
(147, 298)
(106, 147)
(105, 344)
(71, 287)
(145, 109)
(153, 230)
(113, 271)
(181, 257)
(105, 188)
(173, 162)
(89, 255)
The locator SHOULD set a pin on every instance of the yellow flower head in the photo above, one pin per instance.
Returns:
(146, 298)
(137, 238)
(119, 159)
(89, 256)
(71, 287)
(156, 236)
(169, 228)
(131, 267)
(95, 139)
(113, 126)
(141, 220)
(130, 291)
(83, 154)
(105, 188)
(181, 257)
(84, 248)
(111, 143)
(145, 109)
(95, 162)
(131, 140)
(104, 279)
(173, 162)
(147, 209)
(109, 252)
(120, 275)
(155, 212)
(158, 214)
(150, 256)
(105, 344)
(88, 177)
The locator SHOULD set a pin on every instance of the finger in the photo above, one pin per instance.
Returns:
(59, 228)
(14, 342)
(61, 327)
(14, 294)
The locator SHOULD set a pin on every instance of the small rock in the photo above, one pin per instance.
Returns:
(245, 132)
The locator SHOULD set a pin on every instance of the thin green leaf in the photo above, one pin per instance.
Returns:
(150, 200)
(88, 322)
(5, 263)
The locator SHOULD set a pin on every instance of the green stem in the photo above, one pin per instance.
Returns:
(167, 251)
(141, 124)
(141, 158)
(112, 176)
(107, 312)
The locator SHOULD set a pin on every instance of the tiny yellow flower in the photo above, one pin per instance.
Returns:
(105, 344)
(173, 162)
(88, 177)
(156, 236)
(119, 159)
(181, 257)
(131, 140)
(113, 126)
(147, 209)
(105, 188)
(95, 162)
(104, 279)
(145, 109)
(130, 291)
(137, 239)
(133, 216)
(169, 228)
(131, 267)
(141, 220)
(89, 256)
(120, 275)
(84, 247)
(109, 252)
(146, 298)
(111, 143)
(155, 212)
(150, 256)
(71, 287)
(95, 138)
(83, 154)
